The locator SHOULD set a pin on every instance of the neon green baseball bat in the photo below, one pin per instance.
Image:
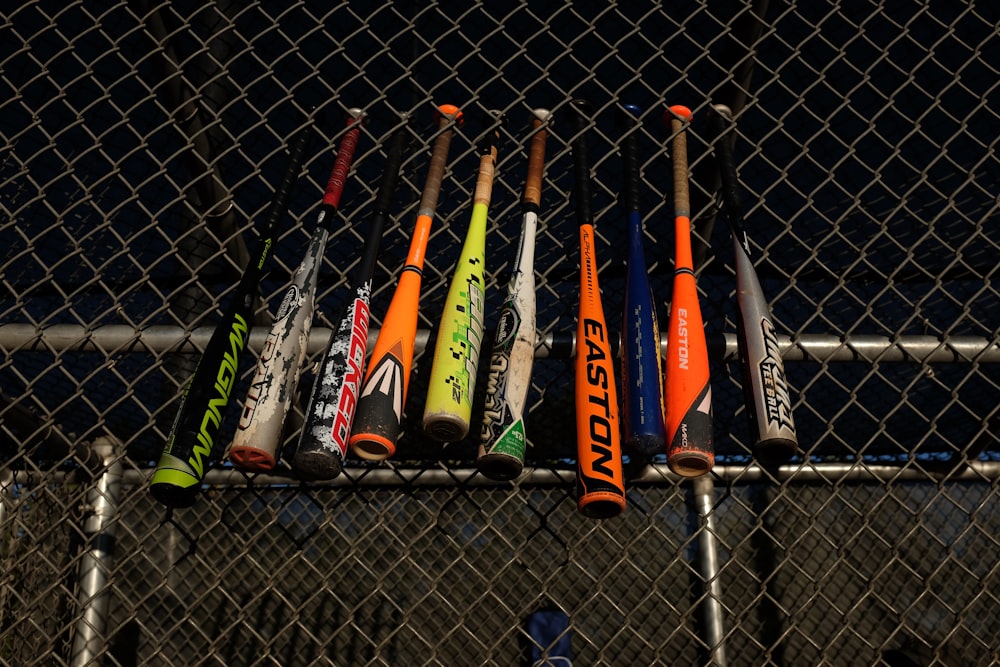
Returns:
(448, 408)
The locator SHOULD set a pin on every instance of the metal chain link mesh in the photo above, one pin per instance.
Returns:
(143, 139)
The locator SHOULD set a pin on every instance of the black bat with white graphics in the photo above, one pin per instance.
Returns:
(188, 451)
(330, 413)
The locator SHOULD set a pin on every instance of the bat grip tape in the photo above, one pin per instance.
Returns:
(580, 111)
(279, 203)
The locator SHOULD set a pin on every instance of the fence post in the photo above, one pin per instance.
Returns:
(708, 562)
(94, 575)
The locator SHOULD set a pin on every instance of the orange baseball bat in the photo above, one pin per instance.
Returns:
(687, 389)
(378, 421)
(600, 479)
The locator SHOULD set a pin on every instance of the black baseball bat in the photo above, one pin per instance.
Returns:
(192, 439)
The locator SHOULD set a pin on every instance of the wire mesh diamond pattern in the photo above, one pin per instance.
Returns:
(143, 143)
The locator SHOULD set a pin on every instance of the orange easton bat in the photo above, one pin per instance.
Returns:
(687, 390)
(378, 421)
(600, 480)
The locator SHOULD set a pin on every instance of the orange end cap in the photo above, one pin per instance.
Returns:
(679, 111)
(251, 459)
(451, 111)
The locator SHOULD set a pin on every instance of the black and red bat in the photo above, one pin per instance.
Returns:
(330, 413)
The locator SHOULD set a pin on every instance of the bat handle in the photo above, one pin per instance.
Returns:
(279, 203)
(446, 114)
(581, 114)
(390, 173)
(678, 116)
(629, 124)
(536, 160)
(342, 165)
(720, 121)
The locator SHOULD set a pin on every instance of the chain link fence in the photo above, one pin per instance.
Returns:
(142, 139)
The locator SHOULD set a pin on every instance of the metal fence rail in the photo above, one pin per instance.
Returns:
(142, 142)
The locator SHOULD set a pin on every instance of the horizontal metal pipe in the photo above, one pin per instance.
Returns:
(118, 339)
(651, 475)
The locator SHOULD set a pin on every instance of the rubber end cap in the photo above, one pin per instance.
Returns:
(774, 452)
(316, 466)
(691, 464)
(544, 115)
(602, 508)
(175, 496)
(251, 459)
(677, 111)
(499, 467)
(373, 450)
(450, 111)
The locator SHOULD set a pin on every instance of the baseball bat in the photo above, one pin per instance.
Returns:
(448, 406)
(502, 438)
(600, 479)
(256, 443)
(687, 388)
(323, 442)
(769, 407)
(641, 362)
(379, 418)
(188, 450)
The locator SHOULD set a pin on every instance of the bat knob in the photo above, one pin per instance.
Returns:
(357, 115)
(633, 109)
(723, 111)
(451, 112)
(543, 115)
(582, 107)
(677, 111)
